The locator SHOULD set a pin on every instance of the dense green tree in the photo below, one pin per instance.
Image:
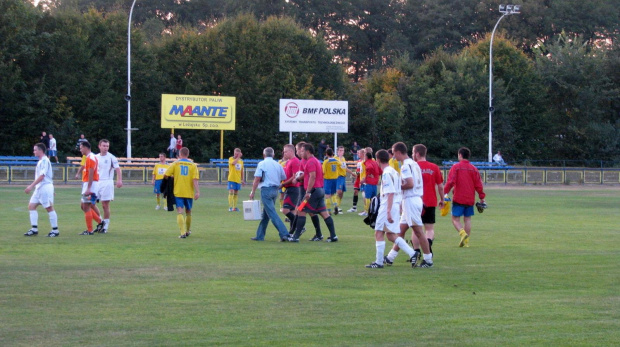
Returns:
(583, 98)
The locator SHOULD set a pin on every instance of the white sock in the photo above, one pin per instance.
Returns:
(402, 244)
(106, 224)
(53, 219)
(34, 219)
(380, 249)
(428, 258)
(392, 255)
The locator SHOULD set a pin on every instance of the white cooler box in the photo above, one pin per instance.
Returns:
(252, 210)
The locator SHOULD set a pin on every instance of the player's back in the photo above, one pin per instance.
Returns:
(184, 172)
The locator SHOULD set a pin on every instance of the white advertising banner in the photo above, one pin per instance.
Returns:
(314, 116)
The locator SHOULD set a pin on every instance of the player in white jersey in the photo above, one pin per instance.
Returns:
(108, 165)
(412, 206)
(389, 209)
(43, 193)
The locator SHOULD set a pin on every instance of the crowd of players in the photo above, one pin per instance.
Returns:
(408, 189)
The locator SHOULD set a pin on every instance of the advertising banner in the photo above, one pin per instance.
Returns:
(314, 116)
(200, 112)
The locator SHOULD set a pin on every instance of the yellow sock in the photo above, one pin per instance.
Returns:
(335, 200)
(235, 199)
(188, 222)
(181, 223)
(366, 204)
(230, 200)
(338, 200)
(158, 200)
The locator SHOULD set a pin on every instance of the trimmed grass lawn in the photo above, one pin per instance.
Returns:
(542, 269)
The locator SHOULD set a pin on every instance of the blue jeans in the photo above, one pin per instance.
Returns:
(268, 196)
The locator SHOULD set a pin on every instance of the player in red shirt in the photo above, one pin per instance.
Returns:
(465, 179)
(314, 196)
(433, 184)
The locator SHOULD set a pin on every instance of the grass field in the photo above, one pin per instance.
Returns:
(542, 269)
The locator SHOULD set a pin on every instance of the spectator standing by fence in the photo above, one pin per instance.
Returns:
(53, 151)
(172, 148)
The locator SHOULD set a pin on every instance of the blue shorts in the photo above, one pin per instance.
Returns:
(330, 186)
(184, 203)
(370, 191)
(459, 210)
(234, 186)
(342, 183)
(157, 187)
(52, 152)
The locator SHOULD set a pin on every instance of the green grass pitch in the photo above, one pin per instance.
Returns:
(542, 269)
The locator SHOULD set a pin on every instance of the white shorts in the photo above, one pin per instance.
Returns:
(93, 189)
(106, 190)
(412, 211)
(382, 223)
(44, 195)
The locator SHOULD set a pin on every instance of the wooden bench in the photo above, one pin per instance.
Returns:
(125, 162)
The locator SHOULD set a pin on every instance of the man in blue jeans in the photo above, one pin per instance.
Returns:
(267, 177)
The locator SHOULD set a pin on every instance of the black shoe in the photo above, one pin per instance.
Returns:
(99, 228)
(414, 260)
(31, 233)
(374, 266)
(53, 234)
(86, 232)
(336, 210)
(387, 261)
(316, 238)
(184, 236)
(283, 239)
(292, 239)
(330, 239)
(189, 232)
(425, 264)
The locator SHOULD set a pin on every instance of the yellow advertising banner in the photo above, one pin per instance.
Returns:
(200, 112)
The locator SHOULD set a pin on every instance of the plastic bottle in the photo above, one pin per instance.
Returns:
(446, 205)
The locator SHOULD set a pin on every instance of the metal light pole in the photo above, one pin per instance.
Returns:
(128, 96)
(506, 10)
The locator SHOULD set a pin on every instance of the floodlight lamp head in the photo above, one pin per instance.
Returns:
(516, 9)
(509, 9)
(502, 8)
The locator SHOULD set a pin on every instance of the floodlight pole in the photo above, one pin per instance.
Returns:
(491, 109)
(128, 96)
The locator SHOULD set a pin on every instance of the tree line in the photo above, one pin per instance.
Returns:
(415, 71)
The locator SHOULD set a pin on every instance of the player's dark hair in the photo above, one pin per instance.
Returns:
(309, 148)
(329, 152)
(164, 154)
(41, 146)
(184, 151)
(383, 156)
(420, 149)
(85, 144)
(400, 147)
(300, 144)
(104, 140)
(368, 155)
(464, 152)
